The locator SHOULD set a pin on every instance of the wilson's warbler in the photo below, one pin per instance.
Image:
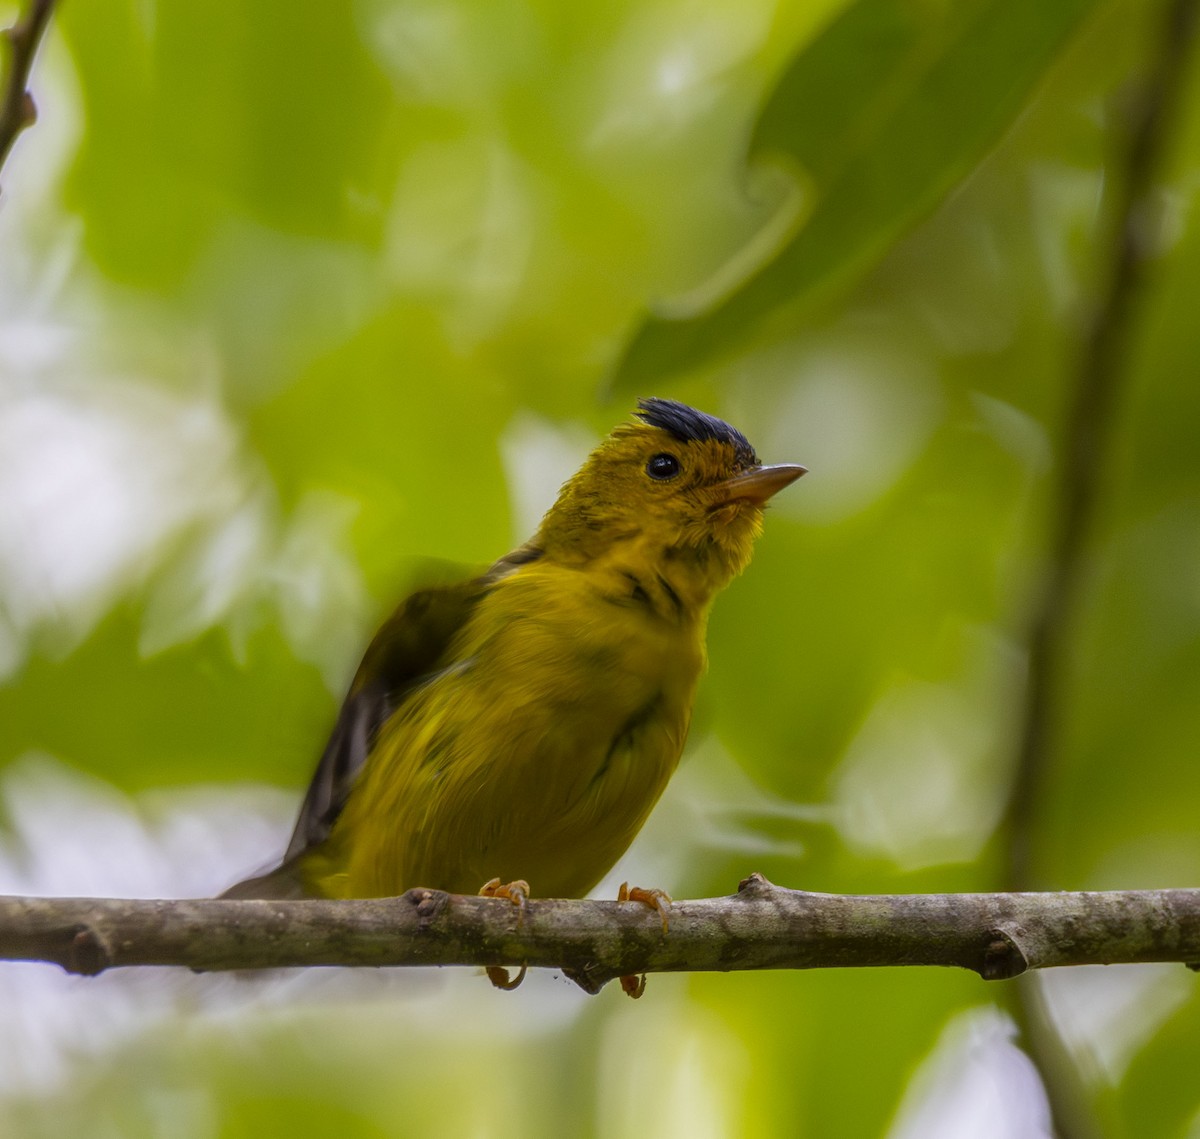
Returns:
(521, 725)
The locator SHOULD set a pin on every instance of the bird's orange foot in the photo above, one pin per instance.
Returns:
(518, 893)
(499, 977)
(633, 985)
(658, 900)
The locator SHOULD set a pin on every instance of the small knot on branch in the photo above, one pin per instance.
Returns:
(591, 978)
(756, 883)
(429, 904)
(89, 955)
(1003, 958)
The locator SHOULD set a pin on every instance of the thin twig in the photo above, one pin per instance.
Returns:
(17, 110)
(1130, 211)
(1088, 428)
(763, 926)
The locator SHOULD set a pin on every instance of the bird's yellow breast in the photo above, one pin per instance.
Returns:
(538, 748)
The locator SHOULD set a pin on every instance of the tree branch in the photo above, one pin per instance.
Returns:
(17, 109)
(1130, 241)
(762, 926)
(1130, 211)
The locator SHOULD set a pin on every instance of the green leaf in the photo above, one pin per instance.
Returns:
(885, 113)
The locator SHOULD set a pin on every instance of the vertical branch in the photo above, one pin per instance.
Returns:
(1131, 243)
(17, 109)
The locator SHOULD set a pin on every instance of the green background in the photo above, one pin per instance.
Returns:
(295, 295)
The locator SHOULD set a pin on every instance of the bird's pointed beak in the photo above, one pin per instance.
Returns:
(759, 483)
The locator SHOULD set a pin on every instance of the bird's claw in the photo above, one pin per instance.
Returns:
(634, 985)
(518, 893)
(657, 900)
(499, 977)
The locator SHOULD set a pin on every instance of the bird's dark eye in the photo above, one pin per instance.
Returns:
(663, 466)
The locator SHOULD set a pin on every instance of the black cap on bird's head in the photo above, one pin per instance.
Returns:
(731, 468)
(691, 426)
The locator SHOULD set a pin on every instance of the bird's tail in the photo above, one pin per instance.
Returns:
(284, 882)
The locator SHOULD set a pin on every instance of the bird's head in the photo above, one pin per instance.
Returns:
(675, 476)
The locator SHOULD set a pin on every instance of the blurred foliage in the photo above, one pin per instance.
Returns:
(293, 295)
(932, 88)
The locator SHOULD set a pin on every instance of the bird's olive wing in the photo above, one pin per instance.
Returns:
(406, 649)
(409, 647)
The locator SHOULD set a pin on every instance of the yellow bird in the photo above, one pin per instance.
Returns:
(522, 724)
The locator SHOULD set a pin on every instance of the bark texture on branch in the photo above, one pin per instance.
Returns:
(761, 927)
